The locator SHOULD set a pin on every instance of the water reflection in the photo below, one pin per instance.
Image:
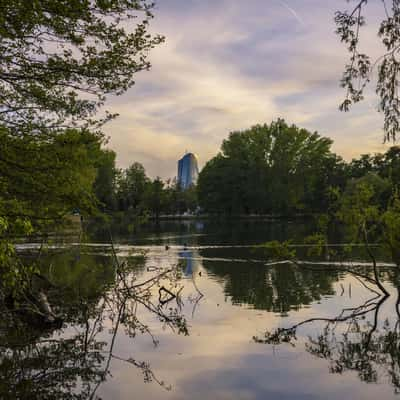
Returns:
(372, 352)
(95, 299)
(191, 262)
(113, 315)
(364, 338)
(279, 289)
(210, 231)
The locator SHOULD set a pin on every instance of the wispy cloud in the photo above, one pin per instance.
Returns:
(227, 65)
(293, 12)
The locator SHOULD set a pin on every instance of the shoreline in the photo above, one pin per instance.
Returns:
(267, 217)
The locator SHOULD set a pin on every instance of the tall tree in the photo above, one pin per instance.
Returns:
(105, 184)
(43, 181)
(155, 197)
(270, 168)
(132, 187)
(59, 60)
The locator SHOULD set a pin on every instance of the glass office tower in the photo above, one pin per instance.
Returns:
(188, 170)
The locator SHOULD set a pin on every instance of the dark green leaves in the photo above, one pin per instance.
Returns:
(276, 168)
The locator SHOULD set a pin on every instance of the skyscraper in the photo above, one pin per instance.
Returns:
(188, 171)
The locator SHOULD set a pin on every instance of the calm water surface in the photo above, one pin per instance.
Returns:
(207, 341)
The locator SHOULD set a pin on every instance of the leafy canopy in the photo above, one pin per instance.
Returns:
(276, 168)
(59, 59)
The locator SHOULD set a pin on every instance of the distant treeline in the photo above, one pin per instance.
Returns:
(275, 169)
(130, 191)
(282, 169)
(43, 180)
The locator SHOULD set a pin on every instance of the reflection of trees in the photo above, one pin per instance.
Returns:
(357, 339)
(50, 369)
(50, 363)
(364, 349)
(278, 288)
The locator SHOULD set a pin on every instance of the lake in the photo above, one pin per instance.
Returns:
(192, 309)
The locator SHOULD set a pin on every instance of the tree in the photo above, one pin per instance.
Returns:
(357, 338)
(362, 206)
(274, 168)
(105, 183)
(386, 165)
(60, 59)
(219, 187)
(358, 71)
(43, 181)
(362, 166)
(390, 166)
(132, 187)
(155, 197)
(58, 62)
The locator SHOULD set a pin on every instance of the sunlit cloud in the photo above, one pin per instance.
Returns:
(228, 65)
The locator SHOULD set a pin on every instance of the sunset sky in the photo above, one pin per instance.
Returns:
(229, 64)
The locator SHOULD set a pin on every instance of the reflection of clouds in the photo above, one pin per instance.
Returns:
(283, 376)
(226, 66)
(219, 360)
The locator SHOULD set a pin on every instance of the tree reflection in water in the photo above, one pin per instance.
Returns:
(95, 301)
(358, 339)
(277, 289)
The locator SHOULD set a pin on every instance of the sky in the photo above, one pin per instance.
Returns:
(227, 65)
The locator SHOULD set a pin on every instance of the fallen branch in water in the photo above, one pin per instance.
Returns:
(168, 299)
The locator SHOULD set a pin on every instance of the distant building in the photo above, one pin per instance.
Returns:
(188, 170)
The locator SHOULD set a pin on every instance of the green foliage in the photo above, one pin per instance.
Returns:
(100, 301)
(390, 220)
(274, 168)
(104, 185)
(60, 59)
(368, 206)
(140, 197)
(132, 186)
(367, 209)
(318, 243)
(385, 165)
(362, 204)
(156, 197)
(221, 186)
(279, 250)
(42, 181)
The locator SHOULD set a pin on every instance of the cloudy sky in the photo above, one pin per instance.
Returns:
(229, 64)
